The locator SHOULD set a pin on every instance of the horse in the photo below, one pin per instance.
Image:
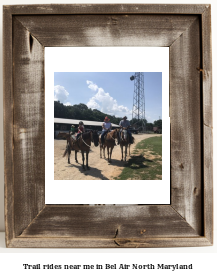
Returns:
(82, 144)
(125, 142)
(67, 136)
(64, 135)
(109, 142)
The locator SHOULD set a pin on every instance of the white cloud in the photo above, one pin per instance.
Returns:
(92, 86)
(93, 104)
(67, 104)
(61, 94)
(106, 103)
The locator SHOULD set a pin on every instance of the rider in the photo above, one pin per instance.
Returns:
(72, 129)
(124, 123)
(106, 127)
(81, 129)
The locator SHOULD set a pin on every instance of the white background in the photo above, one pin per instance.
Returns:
(204, 258)
(140, 59)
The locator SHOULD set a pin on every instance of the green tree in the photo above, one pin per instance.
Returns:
(59, 110)
(149, 126)
(158, 123)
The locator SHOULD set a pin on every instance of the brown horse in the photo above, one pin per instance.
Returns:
(109, 142)
(68, 137)
(125, 142)
(82, 144)
(65, 135)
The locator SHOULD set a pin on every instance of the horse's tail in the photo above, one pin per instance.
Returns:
(67, 150)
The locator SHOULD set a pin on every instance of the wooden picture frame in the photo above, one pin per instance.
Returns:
(186, 30)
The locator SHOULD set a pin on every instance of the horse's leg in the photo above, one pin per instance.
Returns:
(108, 152)
(129, 149)
(88, 168)
(100, 148)
(69, 152)
(83, 160)
(125, 152)
(111, 154)
(122, 152)
(76, 160)
(104, 151)
(126, 147)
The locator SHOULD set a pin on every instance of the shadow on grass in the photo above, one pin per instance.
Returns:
(115, 162)
(137, 162)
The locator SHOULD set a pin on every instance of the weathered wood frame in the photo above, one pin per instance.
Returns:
(186, 29)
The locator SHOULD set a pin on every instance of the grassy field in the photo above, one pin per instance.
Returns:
(145, 162)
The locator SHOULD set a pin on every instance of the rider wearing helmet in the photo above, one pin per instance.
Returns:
(81, 129)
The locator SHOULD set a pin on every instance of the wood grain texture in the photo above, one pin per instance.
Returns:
(208, 183)
(8, 125)
(29, 139)
(106, 9)
(107, 30)
(207, 67)
(185, 113)
(109, 222)
(62, 242)
(207, 122)
(186, 30)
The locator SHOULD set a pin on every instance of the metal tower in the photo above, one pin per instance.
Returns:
(138, 111)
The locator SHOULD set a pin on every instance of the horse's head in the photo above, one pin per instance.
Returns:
(59, 135)
(116, 133)
(124, 134)
(63, 135)
(95, 138)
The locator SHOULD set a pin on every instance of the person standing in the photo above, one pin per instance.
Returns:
(106, 127)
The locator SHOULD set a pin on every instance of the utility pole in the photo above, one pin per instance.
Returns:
(138, 111)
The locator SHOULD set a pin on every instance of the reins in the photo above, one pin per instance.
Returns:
(111, 136)
(81, 137)
(84, 141)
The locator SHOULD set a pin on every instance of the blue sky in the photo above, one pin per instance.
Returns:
(109, 92)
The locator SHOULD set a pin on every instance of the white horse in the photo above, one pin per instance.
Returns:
(125, 142)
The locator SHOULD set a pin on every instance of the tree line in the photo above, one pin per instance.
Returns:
(82, 112)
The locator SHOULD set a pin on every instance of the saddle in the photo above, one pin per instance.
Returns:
(73, 137)
(75, 142)
(105, 136)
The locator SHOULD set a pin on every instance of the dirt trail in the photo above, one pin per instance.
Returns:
(100, 169)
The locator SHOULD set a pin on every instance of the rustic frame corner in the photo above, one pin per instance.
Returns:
(186, 30)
